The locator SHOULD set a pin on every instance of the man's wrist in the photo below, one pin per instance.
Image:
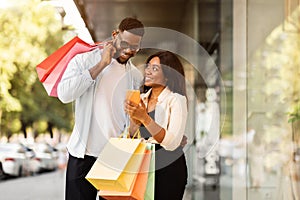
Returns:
(95, 71)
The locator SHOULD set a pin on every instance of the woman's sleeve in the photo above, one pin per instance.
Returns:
(76, 79)
(177, 122)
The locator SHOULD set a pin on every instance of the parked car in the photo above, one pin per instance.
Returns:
(45, 156)
(14, 159)
(28, 151)
(62, 155)
(2, 175)
(34, 164)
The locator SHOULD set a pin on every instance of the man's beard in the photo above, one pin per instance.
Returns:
(122, 61)
(118, 53)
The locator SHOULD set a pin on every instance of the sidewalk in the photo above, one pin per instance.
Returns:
(47, 186)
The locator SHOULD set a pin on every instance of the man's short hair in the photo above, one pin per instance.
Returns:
(132, 25)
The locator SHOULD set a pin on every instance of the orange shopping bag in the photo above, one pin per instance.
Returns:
(51, 69)
(138, 188)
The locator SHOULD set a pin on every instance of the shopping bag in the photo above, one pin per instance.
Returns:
(51, 69)
(138, 188)
(117, 165)
(149, 193)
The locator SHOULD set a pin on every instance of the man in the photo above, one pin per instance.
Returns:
(97, 81)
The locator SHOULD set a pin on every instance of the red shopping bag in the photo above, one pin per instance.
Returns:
(51, 69)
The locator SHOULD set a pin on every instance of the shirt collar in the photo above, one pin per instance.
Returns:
(161, 96)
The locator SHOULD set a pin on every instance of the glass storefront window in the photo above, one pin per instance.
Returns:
(273, 89)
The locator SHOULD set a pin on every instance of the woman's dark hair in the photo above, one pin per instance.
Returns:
(172, 70)
(132, 25)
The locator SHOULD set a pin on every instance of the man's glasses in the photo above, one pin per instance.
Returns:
(126, 45)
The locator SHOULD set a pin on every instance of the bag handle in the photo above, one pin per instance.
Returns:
(129, 66)
(126, 134)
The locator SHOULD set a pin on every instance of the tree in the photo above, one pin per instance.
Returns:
(30, 31)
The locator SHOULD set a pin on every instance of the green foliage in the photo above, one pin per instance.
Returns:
(294, 115)
(29, 32)
(40, 126)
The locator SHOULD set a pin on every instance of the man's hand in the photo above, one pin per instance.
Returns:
(183, 141)
(108, 52)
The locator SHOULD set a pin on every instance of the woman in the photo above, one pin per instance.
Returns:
(161, 116)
